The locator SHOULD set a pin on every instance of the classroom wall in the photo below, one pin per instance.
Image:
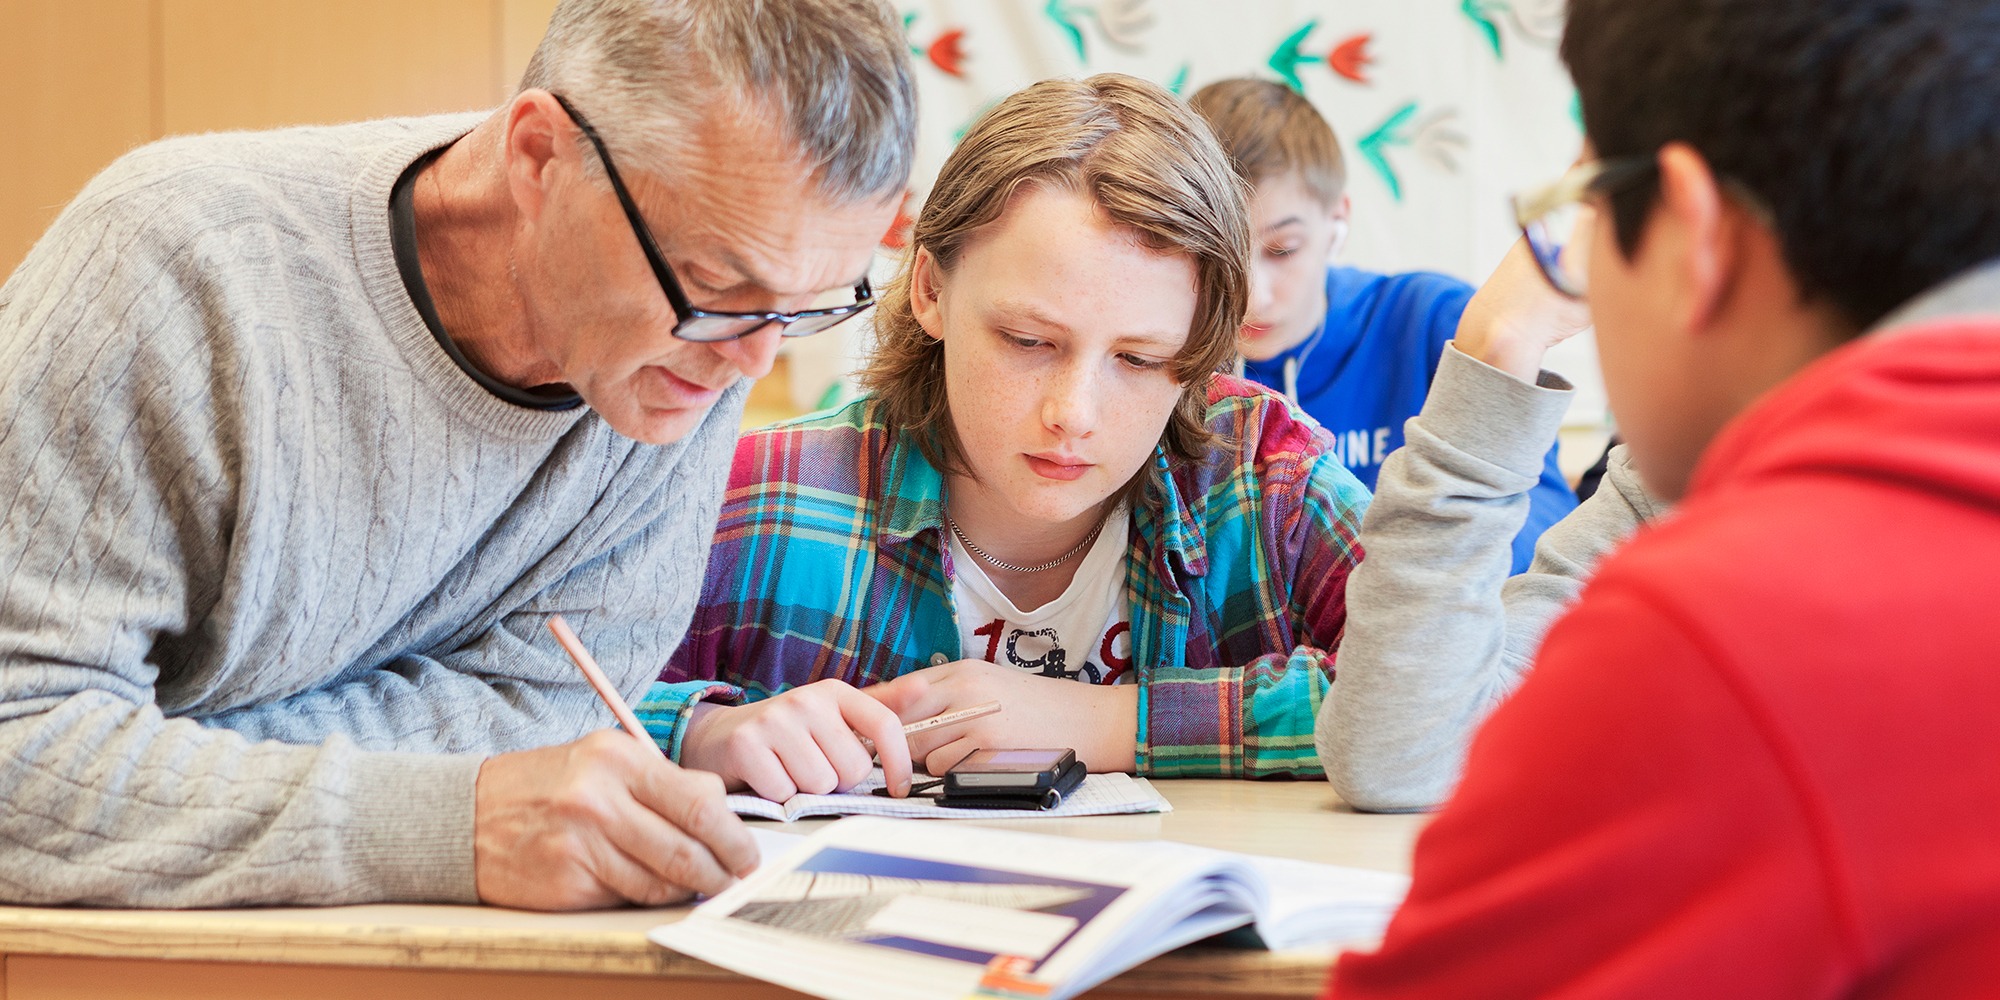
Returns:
(1443, 106)
(89, 79)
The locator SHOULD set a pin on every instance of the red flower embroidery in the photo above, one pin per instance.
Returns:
(947, 52)
(1350, 58)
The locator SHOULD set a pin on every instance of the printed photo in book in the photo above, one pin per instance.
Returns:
(958, 912)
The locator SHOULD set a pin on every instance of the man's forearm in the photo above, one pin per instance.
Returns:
(110, 804)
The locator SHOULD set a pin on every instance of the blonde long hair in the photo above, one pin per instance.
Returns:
(1149, 162)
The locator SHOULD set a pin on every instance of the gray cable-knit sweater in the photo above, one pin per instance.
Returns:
(273, 570)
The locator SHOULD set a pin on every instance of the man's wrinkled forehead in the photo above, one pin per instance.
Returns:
(746, 211)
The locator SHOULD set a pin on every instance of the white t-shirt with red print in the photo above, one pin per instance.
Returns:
(1085, 634)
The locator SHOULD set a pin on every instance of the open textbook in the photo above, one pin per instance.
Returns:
(1099, 795)
(882, 909)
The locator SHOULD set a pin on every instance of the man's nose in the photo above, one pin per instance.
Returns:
(753, 354)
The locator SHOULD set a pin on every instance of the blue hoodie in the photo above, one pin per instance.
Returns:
(1369, 366)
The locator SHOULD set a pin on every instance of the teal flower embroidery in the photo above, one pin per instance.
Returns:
(1348, 58)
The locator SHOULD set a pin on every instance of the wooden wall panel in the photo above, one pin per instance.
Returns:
(521, 25)
(78, 75)
(93, 78)
(229, 64)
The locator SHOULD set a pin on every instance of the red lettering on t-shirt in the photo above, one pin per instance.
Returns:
(992, 631)
(1115, 666)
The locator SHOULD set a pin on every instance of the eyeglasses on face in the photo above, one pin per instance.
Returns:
(709, 325)
(1554, 217)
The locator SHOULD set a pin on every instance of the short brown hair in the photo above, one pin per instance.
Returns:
(1149, 163)
(1270, 130)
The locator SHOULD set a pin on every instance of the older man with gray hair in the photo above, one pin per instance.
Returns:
(309, 431)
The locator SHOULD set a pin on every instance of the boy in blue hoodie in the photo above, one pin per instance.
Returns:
(1354, 349)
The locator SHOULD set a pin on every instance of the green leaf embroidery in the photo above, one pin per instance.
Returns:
(1387, 134)
(1059, 12)
(1478, 10)
(1285, 59)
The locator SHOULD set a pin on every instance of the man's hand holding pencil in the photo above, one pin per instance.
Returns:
(601, 821)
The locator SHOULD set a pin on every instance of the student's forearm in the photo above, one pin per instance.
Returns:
(1113, 740)
(671, 710)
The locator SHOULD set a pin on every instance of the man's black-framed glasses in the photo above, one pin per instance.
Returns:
(709, 325)
(1555, 217)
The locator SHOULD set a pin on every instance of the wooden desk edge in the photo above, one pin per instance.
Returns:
(134, 935)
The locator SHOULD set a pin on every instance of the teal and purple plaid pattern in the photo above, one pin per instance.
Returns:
(829, 562)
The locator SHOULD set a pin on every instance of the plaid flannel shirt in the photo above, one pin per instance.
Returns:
(829, 561)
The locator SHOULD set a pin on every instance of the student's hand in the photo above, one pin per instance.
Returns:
(802, 740)
(1515, 317)
(1100, 722)
(600, 822)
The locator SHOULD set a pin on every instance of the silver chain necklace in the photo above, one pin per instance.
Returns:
(1010, 567)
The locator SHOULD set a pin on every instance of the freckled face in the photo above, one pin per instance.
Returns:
(1058, 329)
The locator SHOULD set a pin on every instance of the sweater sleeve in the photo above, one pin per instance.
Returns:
(116, 504)
(509, 686)
(1584, 856)
(1437, 633)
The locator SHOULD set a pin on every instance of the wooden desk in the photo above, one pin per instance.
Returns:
(483, 953)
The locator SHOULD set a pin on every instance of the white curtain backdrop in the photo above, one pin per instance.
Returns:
(1443, 108)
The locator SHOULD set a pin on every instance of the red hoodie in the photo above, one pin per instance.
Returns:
(1761, 757)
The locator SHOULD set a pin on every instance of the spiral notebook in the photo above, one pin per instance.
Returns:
(1099, 795)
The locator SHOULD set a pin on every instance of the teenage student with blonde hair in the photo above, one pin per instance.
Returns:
(1046, 483)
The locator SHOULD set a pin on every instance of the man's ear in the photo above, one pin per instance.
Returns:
(926, 284)
(537, 138)
(1690, 224)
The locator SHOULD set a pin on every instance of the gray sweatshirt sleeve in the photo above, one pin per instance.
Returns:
(1437, 634)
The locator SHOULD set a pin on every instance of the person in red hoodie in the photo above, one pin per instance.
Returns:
(1759, 757)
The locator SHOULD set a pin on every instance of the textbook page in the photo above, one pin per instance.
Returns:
(1099, 795)
(1311, 902)
(774, 844)
(878, 908)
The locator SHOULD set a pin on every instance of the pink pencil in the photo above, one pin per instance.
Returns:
(588, 664)
(980, 711)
